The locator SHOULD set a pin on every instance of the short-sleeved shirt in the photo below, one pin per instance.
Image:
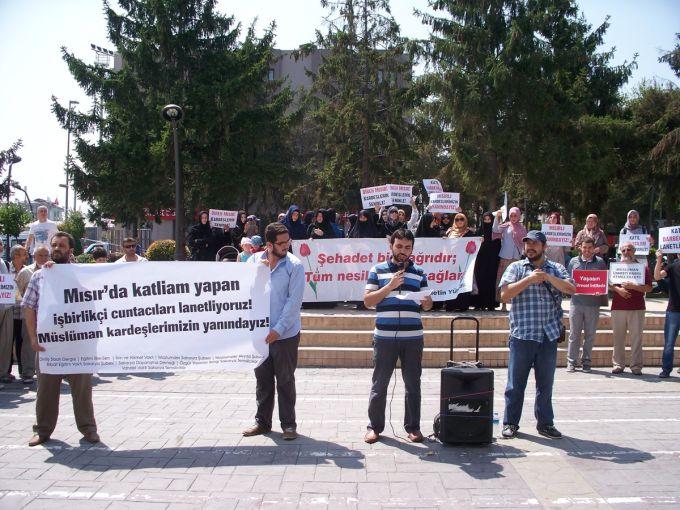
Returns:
(536, 312)
(673, 279)
(42, 233)
(123, 261)
(32, 294)
(636, 301)
(397, 319)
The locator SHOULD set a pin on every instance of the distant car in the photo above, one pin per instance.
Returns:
(97, 245)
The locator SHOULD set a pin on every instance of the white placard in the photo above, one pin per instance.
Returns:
(444, 203)
(433, 186)
(153, 317)
(388, 194)
(7, 289)
(337, 269)
(558, 235)
(621, 272)
(219, 218)
(415, 296)
(640, 241)
(669, 239)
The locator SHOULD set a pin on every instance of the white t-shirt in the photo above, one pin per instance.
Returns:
(42, 233)
(123, 261)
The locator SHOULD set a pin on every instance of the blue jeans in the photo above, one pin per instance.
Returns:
(670, 334)
(525, 354)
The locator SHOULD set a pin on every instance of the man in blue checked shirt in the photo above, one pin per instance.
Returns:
(398, 334)
(535, 286)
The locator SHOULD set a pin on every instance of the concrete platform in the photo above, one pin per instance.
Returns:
(172, 441)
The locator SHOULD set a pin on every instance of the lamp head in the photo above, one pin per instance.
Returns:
(172, 113)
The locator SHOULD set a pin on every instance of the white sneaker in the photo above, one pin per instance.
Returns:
(571, 368)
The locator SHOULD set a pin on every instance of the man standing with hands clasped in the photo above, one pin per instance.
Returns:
(535, 286)
(287, 288)
(398, 334)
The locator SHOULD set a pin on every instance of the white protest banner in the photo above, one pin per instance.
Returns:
(669, 239)
(621, 272)
(7, 289)
(640, 241)
(444, 203)
(337, 269)
(400, 194)
(219, 218)
(433, 186)
(153, 317)
(375, 197)
(558, 235)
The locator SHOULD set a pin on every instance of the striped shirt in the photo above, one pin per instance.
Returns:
(397, 319)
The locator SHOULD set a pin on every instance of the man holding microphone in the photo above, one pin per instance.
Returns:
(398, 333)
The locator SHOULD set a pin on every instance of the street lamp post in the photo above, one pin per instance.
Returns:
(174, 114)
(68, 156)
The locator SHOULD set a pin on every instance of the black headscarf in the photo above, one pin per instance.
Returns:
(486, 229)
(365, 228)
(424, 229)
(295, 228)
(308, 219)
(325, 225)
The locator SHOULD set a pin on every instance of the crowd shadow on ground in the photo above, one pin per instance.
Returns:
(649, 375)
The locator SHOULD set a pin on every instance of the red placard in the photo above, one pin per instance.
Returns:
(591, 282)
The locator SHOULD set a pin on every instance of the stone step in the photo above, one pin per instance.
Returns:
(434, 357)
(463, 338)
(488, 321)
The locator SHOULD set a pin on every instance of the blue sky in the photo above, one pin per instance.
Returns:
(34, 30)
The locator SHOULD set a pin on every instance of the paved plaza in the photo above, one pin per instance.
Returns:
(173, 441)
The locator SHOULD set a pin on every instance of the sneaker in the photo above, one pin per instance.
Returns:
(571, 368)
(617, 370)
(664, 375)
(586, 368)
(509, 431)
(549, 431)
(289, 433)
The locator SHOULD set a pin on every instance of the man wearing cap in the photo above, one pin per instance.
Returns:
(534, 286)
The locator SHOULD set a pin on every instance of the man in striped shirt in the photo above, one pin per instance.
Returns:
(398, 333)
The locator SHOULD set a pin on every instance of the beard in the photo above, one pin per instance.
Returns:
(59, 257)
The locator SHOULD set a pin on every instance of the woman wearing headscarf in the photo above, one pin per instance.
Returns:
(293, 222)
(458, 230)
(321, 228)
(201, 239)
(429, 226)
(633, 225)
(555, 253)
(237, 231)
(251, 227)
(592, 229)
(512, 247)
(446, 223)
(486, 266)
(392, 223)
(308, 219)
(365, 226)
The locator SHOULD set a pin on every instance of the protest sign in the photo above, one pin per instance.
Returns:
(558, 235)
(219, 218)
(591, 281)
(388, 194)
(153, 317)
(7, 289)
(620, 272)
(669, 239)
(433, 186)
(337, 269)
(640, 241)
(444, 203)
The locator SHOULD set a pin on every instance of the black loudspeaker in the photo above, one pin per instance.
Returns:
(466, 410)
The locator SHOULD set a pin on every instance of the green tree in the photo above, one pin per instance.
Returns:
(13, 219)
(525, 101)
(357, 129)
(75, 225)
(232, 136)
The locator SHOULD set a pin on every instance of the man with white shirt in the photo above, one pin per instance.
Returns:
(40, 232)
(129, 254)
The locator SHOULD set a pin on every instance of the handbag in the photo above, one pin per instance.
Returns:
(563, 330)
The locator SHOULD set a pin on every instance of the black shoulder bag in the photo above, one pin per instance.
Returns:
(563, 330)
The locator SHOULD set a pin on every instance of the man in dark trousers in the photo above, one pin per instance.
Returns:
(398, 334)
(535, 286)
(49, 385)
(287, 288)
(672, 325)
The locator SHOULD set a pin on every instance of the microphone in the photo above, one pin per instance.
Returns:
(403, 266)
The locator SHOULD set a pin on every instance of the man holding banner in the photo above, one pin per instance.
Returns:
(287, 287)
(398, 333)
(672, 323)
(49, 385)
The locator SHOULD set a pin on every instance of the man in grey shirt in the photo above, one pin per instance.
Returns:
(584, 310)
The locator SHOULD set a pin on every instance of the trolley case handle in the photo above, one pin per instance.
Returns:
(465, 318)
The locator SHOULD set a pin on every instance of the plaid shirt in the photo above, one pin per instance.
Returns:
(32, 294)
(534, 315)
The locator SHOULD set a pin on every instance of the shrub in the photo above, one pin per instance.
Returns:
(85, 258)
(163, 249)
